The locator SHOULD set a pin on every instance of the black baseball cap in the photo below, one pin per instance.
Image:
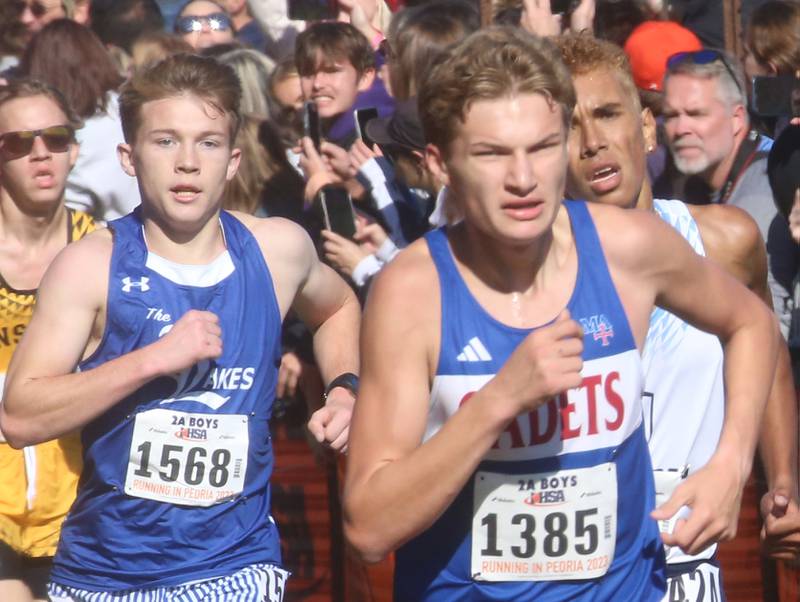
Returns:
(402, 129)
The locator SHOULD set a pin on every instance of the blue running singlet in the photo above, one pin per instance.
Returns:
(559, 507)
(175, 485)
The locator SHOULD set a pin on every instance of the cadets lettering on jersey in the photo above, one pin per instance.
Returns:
(590, 409)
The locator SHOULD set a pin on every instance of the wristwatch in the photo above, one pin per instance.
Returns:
(348, 380)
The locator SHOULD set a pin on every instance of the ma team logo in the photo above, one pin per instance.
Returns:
(599, 327)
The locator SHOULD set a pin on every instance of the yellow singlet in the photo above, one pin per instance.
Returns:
(38, 482)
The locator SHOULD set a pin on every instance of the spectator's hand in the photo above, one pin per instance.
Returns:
(360, 153)
(360, 15)
(314, 168)
(794, 217)
(289, 374)
(370, 236)
(342, 253)
(311, 161)
(330, 425)
(538, 19)
(338, 160)
(714, 496)
(582, 18)
(780, 534)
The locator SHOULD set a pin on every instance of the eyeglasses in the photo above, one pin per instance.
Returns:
(192, 24)
(56, 138)
(702, 57)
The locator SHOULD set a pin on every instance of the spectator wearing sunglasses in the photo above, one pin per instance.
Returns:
(37, 151)
(203, 24)
(38, 13)
(712, 146)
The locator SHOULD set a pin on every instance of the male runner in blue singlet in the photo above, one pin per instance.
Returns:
(511, 462)
(176, 337)
(684, 394)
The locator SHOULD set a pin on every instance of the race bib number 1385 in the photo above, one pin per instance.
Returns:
(188, 459)
(545, 526)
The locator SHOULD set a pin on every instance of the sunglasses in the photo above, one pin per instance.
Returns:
(702, 57)
(38, 9)
(191, 24)
(56, 138)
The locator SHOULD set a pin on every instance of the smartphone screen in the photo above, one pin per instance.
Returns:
(362, 117)
(337, 210)
(311, 10)
(560, 6)
(772, 95)
(311, 126)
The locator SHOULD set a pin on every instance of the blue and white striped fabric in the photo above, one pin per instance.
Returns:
(255, 583)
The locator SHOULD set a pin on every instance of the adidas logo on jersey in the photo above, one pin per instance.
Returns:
(128, 284)
(474, 351)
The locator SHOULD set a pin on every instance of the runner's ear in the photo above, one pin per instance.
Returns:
(125, 155)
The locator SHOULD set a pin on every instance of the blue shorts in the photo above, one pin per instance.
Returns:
(255, 583)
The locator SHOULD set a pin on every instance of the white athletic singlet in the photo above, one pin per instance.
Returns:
(684, 397)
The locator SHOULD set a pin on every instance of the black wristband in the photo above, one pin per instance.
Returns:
(348, 380)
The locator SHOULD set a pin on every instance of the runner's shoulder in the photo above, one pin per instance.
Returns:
(408, 283)
(729, 234)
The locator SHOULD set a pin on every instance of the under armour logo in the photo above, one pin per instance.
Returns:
(128, 284)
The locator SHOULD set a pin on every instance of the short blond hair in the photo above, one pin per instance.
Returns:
(584, 54)
(492, 63)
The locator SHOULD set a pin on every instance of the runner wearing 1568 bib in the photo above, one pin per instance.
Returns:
(549, 510)
(166, 359)
(187, 459)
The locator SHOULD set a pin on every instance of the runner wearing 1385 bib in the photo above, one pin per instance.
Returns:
(498, 442)
(549, 510)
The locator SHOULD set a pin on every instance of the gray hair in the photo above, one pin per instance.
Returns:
(725, 70)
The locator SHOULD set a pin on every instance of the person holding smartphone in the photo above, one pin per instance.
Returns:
(337, 73)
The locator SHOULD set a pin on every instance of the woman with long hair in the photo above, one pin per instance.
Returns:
(71, 58)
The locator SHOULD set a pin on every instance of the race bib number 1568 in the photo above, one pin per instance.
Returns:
(545, 526)
(188, 459)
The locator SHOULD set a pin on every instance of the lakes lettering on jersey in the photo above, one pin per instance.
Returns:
(231, 379)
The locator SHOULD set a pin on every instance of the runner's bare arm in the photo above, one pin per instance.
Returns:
(43, 397)
(704, 295)
(328, 307)
(396, 485)
(732, 238)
